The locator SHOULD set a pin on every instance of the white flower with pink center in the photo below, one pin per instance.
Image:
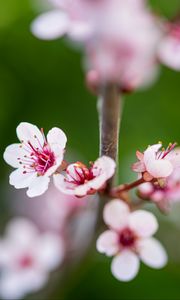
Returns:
(27, 258)
(169, 47)
(130, 240)
(156, 162)
(35, 157)
(166, 194)
(79, 180)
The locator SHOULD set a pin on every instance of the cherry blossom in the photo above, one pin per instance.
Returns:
(129, 239)
(169, 47)
(163, 195)
(113, 33)
(156, 163)
(35, 157)
(26, 259)
(79, 180)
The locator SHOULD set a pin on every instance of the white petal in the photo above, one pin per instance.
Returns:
(61, 185)
(38, 186)
(125, 266)
(143, 223)
(169, 52)
(57, 136)
(21, 180)
(108, 243)
(50, 251)
(159, 168)
(152, 253)
(10, 287)
(81, 190)
(21, 231)
(80, 31)
(106, 164)
(29, 132)
(11, 155)
(116, 214)
(50, 25)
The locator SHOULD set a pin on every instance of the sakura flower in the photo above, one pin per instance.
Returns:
(35, 157)
(169, 48)
(155, 163)
(79, 180)
(166, 194)
(129, 239)
(26, 259)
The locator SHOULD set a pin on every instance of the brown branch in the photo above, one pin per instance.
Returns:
(109, 108)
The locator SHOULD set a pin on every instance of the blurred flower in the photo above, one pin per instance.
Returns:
(156, 163)
(164, 195)
(80, 180)
(169, 48)
(129, 239)
(35, 158)
(26, 258)
(114, 34)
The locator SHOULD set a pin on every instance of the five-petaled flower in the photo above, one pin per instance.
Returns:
(164, 195)
(27, 258)
(155, 163)
(35, 157)
(130, 239)
(79, 180)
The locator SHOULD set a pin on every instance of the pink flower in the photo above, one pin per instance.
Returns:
(156, 163)
(166, 194)
(113, 33)
(80, 180)
(26, 259)
(169, 48)
(35, 158)
(130, 239)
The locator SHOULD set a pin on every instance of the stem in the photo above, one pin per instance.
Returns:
(126, 187)
(109, 108)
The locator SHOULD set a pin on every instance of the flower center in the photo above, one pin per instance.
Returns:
(79, 174)
(38, 159)
(25, 262)
(164, 152)
(127, 238)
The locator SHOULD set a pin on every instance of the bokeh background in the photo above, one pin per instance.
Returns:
(43, 83)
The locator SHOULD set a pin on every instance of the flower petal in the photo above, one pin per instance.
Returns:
(169, 52)
(61, 185)
(50, 251)
(50, 25)
(21, 180)
(11, 154)
(143, 223)
(116, 214)
(152, 253)
(29, 132)
(57, 136)
(108, 243)
(159, 168)
(38, 186)
(125, 266)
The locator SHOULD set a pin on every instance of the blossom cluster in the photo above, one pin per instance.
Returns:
(114, 34)
(37, 158)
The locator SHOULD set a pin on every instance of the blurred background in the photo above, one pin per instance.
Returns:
(43, 83)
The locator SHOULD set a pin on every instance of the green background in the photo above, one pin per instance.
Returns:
(43, 83)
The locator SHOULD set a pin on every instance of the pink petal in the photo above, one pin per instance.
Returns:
(152, 253)
(108, 243)
(169, 52)
(50, 25)
(125, 266)
(143, 223)
(80, 31)
(106, 164)
(57, 136)
(116, 214)
(138, 167)
(61, 185)
(38, 186)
